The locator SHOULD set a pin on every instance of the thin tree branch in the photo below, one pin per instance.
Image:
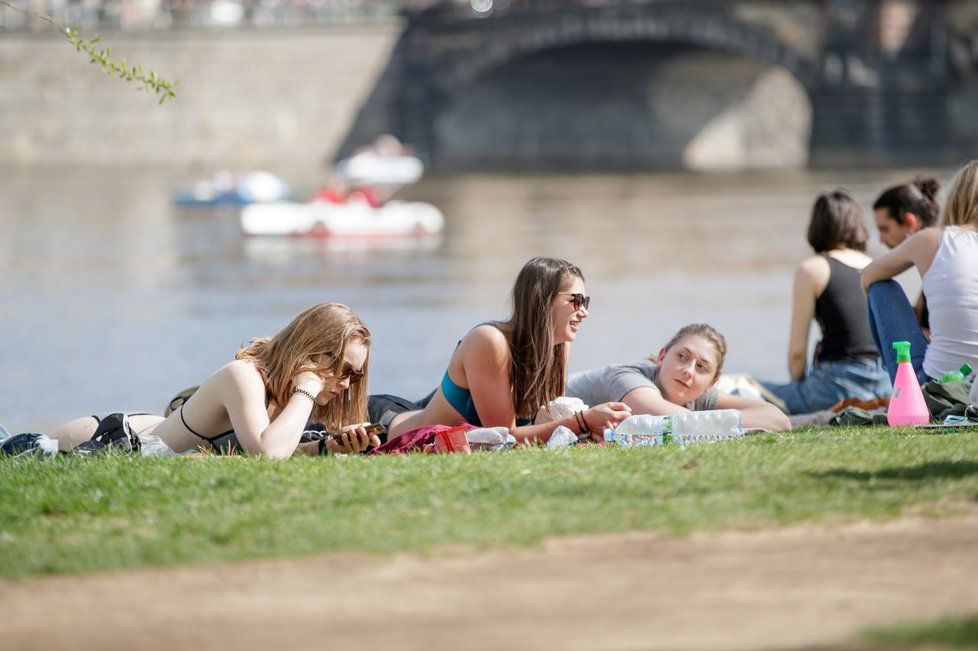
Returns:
(147, 81)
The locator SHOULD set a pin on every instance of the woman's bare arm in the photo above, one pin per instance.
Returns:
(810, 280)
(917, 250)
(646, 400)
(243, 394)
(756, 413)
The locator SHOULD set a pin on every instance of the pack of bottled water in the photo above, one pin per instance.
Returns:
(644, 430)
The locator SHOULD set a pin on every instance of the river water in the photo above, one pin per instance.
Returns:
(113, 299)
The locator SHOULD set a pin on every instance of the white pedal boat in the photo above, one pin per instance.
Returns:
(351, 220)
(371, 168)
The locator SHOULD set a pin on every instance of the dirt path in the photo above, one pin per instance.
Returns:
(784, 589)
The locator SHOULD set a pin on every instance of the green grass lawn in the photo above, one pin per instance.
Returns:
(80, 515)
(954, 633)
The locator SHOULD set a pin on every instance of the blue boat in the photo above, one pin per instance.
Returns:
(226, 189)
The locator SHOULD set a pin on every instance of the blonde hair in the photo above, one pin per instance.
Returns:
(961, 207)
(321, 332)
(706, 331)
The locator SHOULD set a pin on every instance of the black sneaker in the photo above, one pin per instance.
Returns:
(27, 443)
(90, 448)
(112, 434)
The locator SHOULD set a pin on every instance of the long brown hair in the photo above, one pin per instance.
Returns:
(316, 341)
(961, 208)
(538, 368)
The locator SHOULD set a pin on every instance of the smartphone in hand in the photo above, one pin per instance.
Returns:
(376, 428)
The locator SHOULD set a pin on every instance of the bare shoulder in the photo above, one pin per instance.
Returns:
(813, 275)
(925, 238)
(239, 372)
(487, 335)
(814, 267)
(486, 341)
(921, 247)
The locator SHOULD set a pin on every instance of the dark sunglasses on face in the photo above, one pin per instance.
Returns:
(348, 372)
(351, 375)
(579, 300)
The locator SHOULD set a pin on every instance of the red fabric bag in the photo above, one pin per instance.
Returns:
(416, 439)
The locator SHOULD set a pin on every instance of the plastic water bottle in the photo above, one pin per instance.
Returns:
(695, 427)
(641, 430)
(957, 376)
(707, 426)
(907, 406)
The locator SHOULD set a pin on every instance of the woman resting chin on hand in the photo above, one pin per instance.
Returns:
(313, 369)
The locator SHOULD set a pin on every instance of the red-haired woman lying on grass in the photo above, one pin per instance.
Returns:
(314, 369)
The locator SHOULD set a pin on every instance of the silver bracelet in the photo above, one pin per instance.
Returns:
(305, 393)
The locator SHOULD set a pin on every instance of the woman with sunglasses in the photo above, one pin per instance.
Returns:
(502, 372)
(314, 369)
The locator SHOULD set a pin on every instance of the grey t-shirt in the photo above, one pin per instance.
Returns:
(611, 383)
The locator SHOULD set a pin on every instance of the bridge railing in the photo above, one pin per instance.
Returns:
(143, 15)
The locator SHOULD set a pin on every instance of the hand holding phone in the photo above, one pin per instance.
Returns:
(357, 438)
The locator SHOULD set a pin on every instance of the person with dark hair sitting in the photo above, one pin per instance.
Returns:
(846, 363)
(946, 257)
(901, 211)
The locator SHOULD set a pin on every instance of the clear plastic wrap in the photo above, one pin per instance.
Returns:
(562, 437)
(153, 446)
(490, 438)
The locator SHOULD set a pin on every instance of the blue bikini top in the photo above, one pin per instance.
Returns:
(460, 398)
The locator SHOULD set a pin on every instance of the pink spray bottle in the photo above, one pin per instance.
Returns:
(907, 406)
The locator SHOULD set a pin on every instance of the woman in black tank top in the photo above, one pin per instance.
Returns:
(827, 290)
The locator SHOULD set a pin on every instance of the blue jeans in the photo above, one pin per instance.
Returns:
(830, 382)
(892, 319)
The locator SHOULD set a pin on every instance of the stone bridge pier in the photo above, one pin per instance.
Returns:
(671, 84)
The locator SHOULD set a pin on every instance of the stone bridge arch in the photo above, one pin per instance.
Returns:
(866, 101)
(708, 26)
(444, 52)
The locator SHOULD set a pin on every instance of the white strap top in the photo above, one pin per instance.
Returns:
(951, 288)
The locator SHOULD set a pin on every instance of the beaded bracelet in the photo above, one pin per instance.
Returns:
(305, 393)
